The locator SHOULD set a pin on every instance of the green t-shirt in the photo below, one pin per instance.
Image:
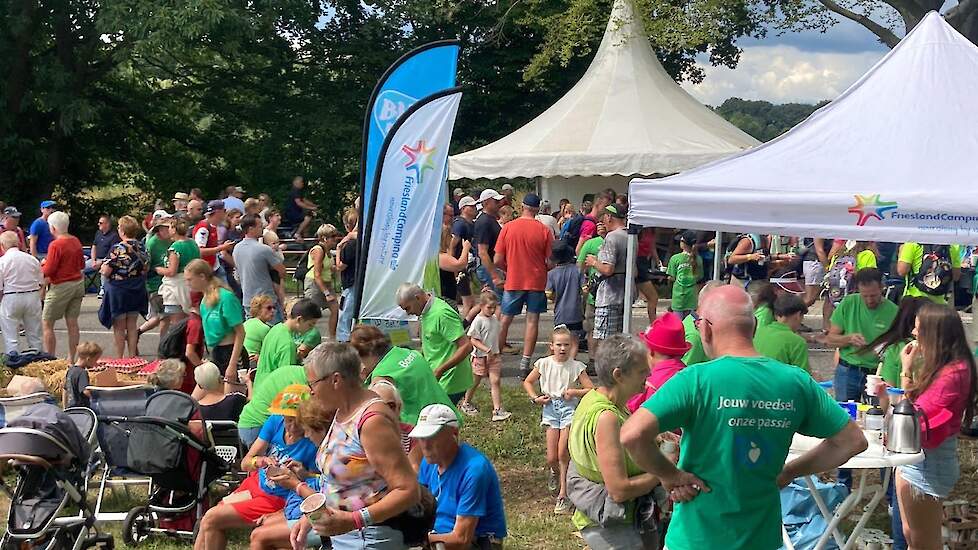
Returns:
(780, 343)
(764, 315)
(590, 247)
(738, 415)
(414, 381)
(680, 269)
(255, 331)
(865, 259)
(187, 251)
(696, 354)
(277, 350)
(441, 326)
(310, 339)
(913, 254)
(255, 413)
(853, 317)
(220, 319)
(891, 363)
(156, 248)
(583, 448)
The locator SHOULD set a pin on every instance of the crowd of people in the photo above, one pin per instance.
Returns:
(677, 424)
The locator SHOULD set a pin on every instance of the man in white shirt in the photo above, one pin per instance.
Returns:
(20, 301)
(546, 218)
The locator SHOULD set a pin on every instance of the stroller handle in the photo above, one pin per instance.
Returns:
(27, 459)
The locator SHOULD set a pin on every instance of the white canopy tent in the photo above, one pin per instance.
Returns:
(625, 117)
(891, 159)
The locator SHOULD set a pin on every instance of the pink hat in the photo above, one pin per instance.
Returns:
(667, 336)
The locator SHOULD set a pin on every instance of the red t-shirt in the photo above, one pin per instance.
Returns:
(195, 337)
(205, 235)
(65, 260)
(646, 241)
(526, 245)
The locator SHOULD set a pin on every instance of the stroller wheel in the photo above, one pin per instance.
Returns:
(136, 527)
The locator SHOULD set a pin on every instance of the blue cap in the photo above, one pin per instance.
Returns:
(48, 204)
(532, 200)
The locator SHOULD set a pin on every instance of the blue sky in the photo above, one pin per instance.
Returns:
(802, 67)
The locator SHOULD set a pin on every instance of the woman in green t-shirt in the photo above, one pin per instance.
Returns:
(173, 288)
(223, 320)
(764, 307)
(889, 344)
(261, 311)
(622, 365)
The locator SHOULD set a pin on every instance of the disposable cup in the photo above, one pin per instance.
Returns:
(872, 384)
(313, 505)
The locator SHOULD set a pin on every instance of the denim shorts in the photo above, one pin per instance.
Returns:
(558, 413)
(374, 537)
(937, 474)
(482, 274)
(514, 300)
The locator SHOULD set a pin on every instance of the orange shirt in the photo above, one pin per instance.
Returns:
(525, 244)
(65, 260)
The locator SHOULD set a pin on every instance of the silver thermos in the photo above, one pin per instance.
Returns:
(903, 429)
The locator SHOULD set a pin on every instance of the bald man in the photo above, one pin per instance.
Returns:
(738, 413)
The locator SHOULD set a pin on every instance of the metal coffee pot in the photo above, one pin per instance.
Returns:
(903, 428)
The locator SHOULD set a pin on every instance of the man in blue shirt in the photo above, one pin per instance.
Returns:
(470, 504)
(40, 234)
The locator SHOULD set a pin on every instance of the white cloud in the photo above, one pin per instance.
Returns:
(783, 74)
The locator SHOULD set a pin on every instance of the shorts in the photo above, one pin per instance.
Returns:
(558, 413)
(937, 474)
(464, 285)
(260, 503)
(814, 273)
(313, 293)
(646, 272)
(248, 436)
(221, 356)
(482, 275)
(608, 320)
(482, 366)
(171, 310)
(589, 315)
(312, 539)
(63, 300)
(156, 307)
(514, 300)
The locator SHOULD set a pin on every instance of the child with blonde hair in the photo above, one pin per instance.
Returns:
(484, 334)
(76, 392)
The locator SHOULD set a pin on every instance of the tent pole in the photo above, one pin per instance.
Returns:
(717, 247)
(633, 231)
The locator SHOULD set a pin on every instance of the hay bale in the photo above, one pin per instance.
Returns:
(52, 373)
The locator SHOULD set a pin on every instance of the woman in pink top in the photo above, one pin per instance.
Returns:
(667, 344)
(941, 385)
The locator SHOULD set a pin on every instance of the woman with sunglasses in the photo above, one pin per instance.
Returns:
(261, 313)
(365, 432)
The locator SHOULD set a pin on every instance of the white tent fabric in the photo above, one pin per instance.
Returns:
(625, 116)
(892, 159)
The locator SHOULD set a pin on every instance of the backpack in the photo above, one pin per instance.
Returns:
(173, 344)
(838, 280)
(572, 231)
(301, 268)
(740, 270)
(934, 277)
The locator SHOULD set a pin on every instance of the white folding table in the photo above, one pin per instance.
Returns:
(873, 458)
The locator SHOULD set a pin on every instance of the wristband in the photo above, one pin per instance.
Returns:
(254, 463)
(357, 521)
(365, 517)
(301, 483)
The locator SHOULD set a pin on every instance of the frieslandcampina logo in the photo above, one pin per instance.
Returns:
(419, 160)
(869, 207)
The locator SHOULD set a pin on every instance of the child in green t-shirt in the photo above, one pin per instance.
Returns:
(684, 271)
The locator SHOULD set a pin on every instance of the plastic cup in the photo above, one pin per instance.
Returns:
(668, 447)
(872, 384)
(313, 506)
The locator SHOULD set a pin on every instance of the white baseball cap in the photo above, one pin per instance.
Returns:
(432, 419)
(161, 215)
(490, 194)
(466, 201)
(507, 187)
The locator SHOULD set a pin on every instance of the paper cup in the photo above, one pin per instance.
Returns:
(872, 384)
(313, 505)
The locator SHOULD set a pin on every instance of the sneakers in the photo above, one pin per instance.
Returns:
(468, 408)
(500, 415)
(508, 350)
(552, 483)
(563, 506)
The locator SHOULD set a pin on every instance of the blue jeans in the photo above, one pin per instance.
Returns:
(345, 324)
(248, 436)
(849, 382)
(514, 301)
(896, 522)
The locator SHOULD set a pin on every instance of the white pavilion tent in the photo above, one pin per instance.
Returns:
(891, 159)
(625, 117)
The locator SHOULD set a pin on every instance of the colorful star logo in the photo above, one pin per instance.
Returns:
(419, 159)
(870, 206)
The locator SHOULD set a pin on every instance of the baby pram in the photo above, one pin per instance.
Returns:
(51, 452)
(180, 464)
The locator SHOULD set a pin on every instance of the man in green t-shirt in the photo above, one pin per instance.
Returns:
(911, 260)
(738, 414)
(279, 347)
(859, 319)
(443, 340)
(780, 340)
(590, 248)
(255, 413)
(157, 244)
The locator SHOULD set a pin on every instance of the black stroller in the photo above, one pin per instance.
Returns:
(50, 450)
(180, 463)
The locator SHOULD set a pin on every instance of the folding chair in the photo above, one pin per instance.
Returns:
(12, 407)
(114, 440)
(227, 444)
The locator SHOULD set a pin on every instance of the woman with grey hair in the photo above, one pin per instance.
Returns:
(364, 430)
(169, 375)
(622, 365)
